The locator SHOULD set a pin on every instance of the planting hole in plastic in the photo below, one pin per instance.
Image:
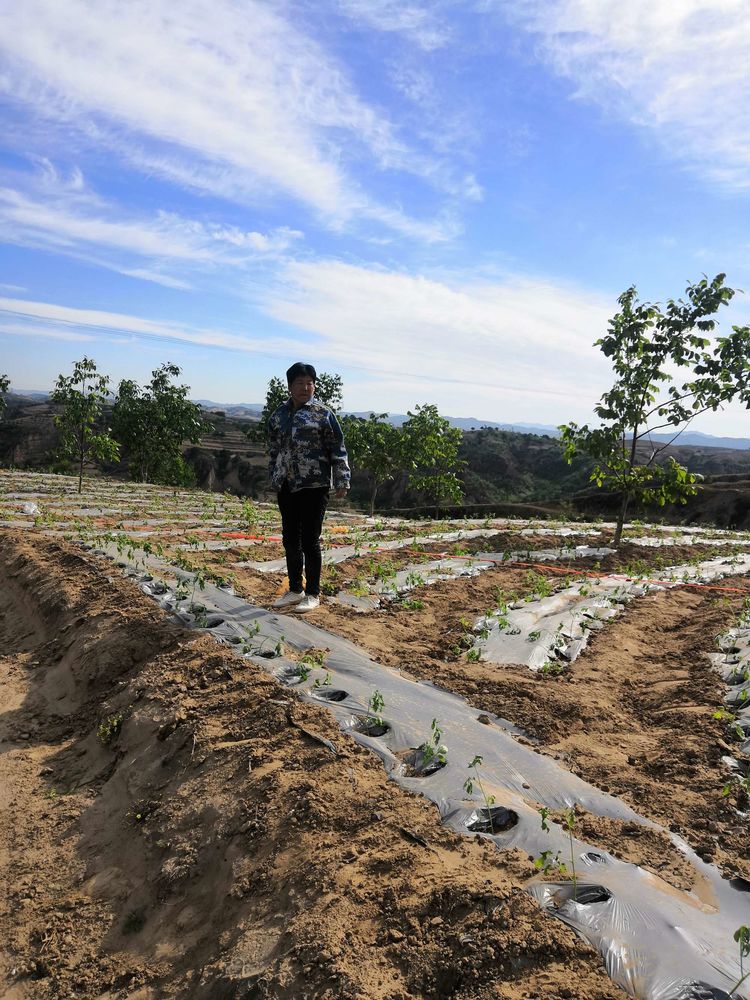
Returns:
(213, 621)
(371, 727)
(420, 763)
(702, 991)
(583, 895)
(335, 695)
(496, 819)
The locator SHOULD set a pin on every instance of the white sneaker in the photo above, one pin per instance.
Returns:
(289, 598)
(308, 604)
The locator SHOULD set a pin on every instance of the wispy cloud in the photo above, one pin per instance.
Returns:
(417, 22)
(517, 345)
(72, 320)
(679, 69)
(47, 332)
(227, 98)
(518, 336)
(63, 215)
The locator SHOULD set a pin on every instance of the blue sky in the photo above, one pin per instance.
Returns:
(441, 201)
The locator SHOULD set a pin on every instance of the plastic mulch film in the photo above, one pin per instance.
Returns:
(547, 632)
(450, 568)
(657, 942)
(344, 552)
(733, 663)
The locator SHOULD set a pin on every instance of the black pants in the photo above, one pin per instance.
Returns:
(302, 516)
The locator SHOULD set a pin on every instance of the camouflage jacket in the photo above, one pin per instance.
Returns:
(306, 447)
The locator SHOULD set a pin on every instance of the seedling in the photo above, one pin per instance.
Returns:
(742, 937)
(545, 862)
(569, 822)
(489, 800)
(538, 584)
(412, 604)
(109, 728)
(375, 706)
(434, 751)
(534, 636)
(327, 680)
(551, 668)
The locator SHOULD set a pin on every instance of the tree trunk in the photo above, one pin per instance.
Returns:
(372, 499)
(621, 520)
(81, 456)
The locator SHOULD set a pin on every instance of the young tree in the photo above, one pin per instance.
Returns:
(152, 423)
(328, 389)
(4, 386)
(375, 446)
(82, 396)
(430, 454)
(647, 344)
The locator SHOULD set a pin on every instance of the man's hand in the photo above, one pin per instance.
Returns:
(341, 493)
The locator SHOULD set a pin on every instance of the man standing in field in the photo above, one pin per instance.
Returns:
(306, 446)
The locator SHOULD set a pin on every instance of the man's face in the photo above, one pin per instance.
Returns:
(302, 390)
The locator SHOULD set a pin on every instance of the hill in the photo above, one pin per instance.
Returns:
(502, 467)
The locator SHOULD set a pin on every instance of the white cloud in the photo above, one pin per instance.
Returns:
(228, 98)
(48, 332)
(413, 21)
(679, 68)
(72, 320)
(67, 218)
(496, 344)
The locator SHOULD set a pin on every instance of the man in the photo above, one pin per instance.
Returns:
(307, 447)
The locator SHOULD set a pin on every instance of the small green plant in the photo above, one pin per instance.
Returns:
(473, 655)
(742, 937)
(326, 682)
(434, 751)
(489, 800)
(734, 728)
(412, 604)
(545, 862)
(538, 584)
(548, 864)
(534, 636)
(109, 728)
(552, 668)
(375, 706)
(569, 822)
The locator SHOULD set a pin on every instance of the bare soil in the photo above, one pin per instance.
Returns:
(173, 826)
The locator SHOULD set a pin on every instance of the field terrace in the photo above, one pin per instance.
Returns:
(587, 680)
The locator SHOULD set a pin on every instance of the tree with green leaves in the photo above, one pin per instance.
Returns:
(667, 373)
(152, 423)
(430, 455)
(4, 386)
(82, 396)
(375, 446)
(328, 390)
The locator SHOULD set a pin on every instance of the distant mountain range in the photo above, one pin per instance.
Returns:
(694, 438)
(249, 411)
